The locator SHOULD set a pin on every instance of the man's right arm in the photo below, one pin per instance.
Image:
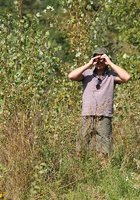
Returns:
(76, 75)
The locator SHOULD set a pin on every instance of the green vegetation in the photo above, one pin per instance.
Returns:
(41, 41)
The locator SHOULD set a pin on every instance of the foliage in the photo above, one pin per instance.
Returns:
(41, 41)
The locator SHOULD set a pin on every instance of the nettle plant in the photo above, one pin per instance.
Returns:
(28, 62)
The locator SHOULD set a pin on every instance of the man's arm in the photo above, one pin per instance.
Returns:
(76, 75)
(123, 75)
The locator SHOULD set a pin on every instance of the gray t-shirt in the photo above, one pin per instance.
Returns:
(98, 102)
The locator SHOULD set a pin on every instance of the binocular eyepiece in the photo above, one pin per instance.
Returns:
(101, 60)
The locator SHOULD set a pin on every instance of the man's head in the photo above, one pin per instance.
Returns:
(98, 52)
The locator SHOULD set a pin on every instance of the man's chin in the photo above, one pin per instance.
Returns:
(100, 66)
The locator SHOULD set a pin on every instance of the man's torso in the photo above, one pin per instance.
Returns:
(96, 100)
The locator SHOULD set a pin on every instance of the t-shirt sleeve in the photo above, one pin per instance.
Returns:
(113, 73)
(85, 73)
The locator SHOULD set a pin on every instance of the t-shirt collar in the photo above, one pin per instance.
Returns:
(105, 73)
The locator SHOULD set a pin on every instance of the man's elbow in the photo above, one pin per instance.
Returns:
(70, 76)
(127, 78)
(74, 77)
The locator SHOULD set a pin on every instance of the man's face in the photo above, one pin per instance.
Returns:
(100, 62)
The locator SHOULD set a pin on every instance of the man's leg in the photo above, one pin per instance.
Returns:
(83, 141)
(104, 135)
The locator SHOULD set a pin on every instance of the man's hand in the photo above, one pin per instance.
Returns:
(107, 59)
(94, 60)
(123, 75)
(76, 74)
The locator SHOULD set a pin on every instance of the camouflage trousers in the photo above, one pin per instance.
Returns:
(95, 134)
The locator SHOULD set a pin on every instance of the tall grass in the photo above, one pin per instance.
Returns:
(39, 161)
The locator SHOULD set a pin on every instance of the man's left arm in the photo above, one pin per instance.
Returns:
(122, 75)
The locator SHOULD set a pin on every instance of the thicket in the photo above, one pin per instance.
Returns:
(41, 42)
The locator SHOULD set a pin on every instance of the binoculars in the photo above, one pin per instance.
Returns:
(99, 60)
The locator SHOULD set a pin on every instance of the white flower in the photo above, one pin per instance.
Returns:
(127, 178)
(44, 11)
(40, 53)
(15, 2)
(38, 14)
(64, 10)
(50, 8)
(125, 56)
(78, 54)
(55, 136)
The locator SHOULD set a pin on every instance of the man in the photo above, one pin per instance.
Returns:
(99, 77)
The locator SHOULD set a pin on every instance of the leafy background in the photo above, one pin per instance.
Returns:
(41, 42)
